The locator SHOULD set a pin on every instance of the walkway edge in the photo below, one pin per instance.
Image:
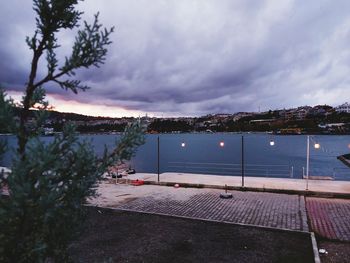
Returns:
(254, 189)
(315, 248)
(204, 220)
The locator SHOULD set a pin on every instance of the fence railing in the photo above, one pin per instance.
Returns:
(258, 170)
(341, 172)
(338, 173)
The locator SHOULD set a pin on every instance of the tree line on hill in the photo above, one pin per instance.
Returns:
(311, 124)
(258, 122)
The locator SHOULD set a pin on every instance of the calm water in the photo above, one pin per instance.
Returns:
(203, 154)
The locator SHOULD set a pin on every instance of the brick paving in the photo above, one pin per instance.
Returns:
(252, 208)
(329, 218)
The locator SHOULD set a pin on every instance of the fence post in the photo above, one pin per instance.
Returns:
(303, 172)
(242, 160)
(307, 161)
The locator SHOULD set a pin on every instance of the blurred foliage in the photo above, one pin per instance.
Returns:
(50, 182)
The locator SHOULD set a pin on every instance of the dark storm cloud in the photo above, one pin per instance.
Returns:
(198, 57)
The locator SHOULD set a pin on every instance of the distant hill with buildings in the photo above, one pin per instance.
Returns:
(321, 119)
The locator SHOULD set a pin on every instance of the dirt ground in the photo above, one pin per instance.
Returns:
(337, 252)
(116, 236)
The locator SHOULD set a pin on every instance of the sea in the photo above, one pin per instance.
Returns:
(260, 154)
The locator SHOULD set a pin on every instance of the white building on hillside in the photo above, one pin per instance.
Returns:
(343, 108)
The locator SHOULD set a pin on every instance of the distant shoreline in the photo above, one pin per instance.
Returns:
(149, 133)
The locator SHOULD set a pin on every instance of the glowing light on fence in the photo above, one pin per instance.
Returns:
(317, 146)
(222, 144)
(272, 143)
(183, 144)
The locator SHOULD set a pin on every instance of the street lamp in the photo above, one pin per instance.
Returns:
(272, 143)
(222, 144)
(158, 157)
(183, 144)
(242, 160)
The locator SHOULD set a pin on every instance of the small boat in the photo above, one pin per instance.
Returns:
(130, 171)
(137, 182)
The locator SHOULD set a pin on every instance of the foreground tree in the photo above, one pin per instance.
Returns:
(50, 182)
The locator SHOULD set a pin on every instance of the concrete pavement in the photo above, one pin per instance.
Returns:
(252, 208)
(287, 185)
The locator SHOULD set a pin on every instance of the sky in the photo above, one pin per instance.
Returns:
(195, 57)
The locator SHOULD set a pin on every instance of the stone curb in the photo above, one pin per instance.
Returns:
(315, 248)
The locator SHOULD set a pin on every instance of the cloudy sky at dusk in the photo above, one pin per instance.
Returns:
(194, 57)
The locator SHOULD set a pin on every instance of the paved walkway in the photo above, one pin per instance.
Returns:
(253, 208)
(261, 209)
(329, 218)
(277, 184)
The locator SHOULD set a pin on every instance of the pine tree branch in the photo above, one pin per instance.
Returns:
(89, 49)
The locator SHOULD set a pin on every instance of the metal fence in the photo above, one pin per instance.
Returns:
(341, 172)
(258, 170)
